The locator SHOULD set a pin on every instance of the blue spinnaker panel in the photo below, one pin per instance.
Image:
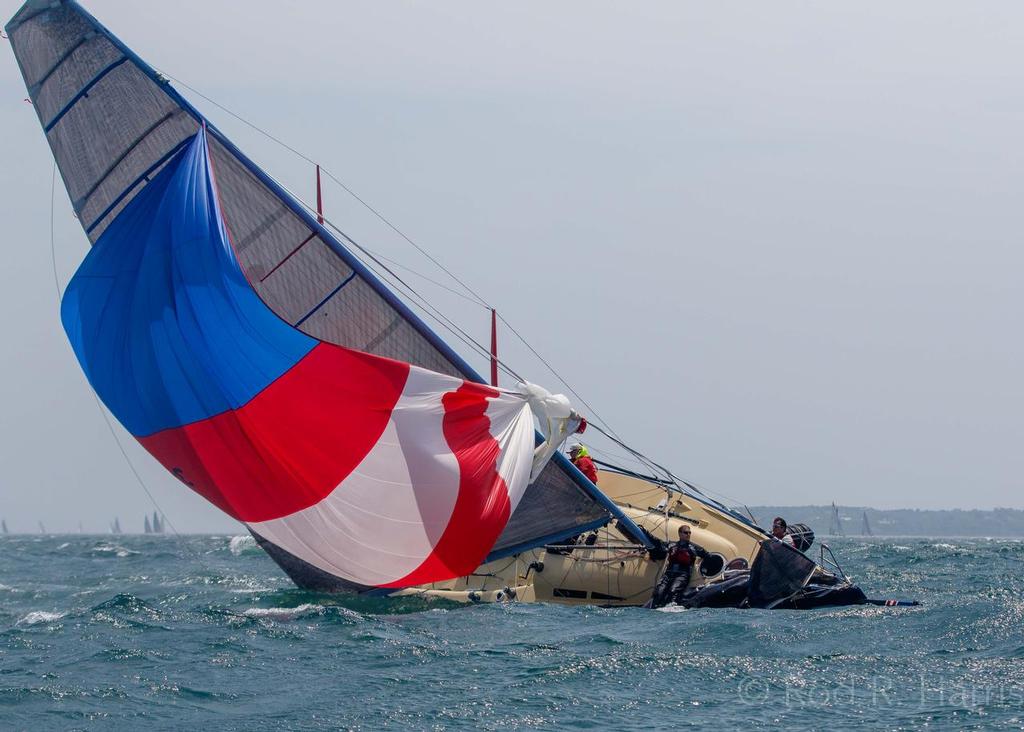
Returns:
(164, 323)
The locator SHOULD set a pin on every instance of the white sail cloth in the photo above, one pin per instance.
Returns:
(397, 511)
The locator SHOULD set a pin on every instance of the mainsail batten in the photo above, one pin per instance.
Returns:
(113, 141)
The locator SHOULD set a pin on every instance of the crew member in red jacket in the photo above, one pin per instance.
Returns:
(581, 459)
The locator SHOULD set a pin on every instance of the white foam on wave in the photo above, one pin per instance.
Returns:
(672, 609)
(40, 616)
(283, 614)
(65, 545)
(115, 549)
(239, 544)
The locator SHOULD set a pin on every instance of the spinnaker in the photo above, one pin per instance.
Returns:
(252, 353)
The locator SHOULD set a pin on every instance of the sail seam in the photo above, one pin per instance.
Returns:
(113, 166)
(84, 92)
(60, 61)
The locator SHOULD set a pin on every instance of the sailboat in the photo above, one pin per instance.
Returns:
(253, 353)
(866, 527)
(115, 526)
(146, 528)
(3, 527)
(835, 527)
(158, 523)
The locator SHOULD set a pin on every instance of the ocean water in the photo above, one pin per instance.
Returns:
(204, 632)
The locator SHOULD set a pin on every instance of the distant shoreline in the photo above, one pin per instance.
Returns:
(1002, 523)
(910, 523)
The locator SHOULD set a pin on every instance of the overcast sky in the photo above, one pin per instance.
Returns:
(775, 245)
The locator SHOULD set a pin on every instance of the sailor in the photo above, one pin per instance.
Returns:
(779, 527)
(681, 557)
(581, 459)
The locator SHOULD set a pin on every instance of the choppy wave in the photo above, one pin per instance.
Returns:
(41, 616)
(206, 632)
(284, 613)
(239, 544)
(116, 550)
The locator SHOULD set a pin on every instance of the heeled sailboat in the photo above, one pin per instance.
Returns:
(256, 355)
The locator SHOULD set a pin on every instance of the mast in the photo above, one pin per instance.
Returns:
(866, 528)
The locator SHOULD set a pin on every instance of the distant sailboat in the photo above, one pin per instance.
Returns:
(42, 529)
(146, 528)
(115, 528)
(835, 527)
(866, 527)
(3, 527)
(158, 523)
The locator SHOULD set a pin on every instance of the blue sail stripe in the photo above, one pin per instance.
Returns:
(163, 321)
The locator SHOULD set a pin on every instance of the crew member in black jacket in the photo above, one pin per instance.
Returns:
(681, 557)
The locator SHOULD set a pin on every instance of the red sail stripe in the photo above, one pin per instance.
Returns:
(291, 444)
(483, 507)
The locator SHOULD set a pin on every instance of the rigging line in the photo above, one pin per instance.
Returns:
(423, 302)
(437, 314)
(420, 301)
(394, 228)
(640, 456)
(131, 465)
(99, 404)
(557, 375)
(612, 454)
(720, 498)
(410, 270)
(348, 190)
(398, 231)
(53, 248)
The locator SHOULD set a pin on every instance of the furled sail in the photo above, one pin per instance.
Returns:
(266, 303)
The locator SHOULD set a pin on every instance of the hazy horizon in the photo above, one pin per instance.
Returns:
(775, 247)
